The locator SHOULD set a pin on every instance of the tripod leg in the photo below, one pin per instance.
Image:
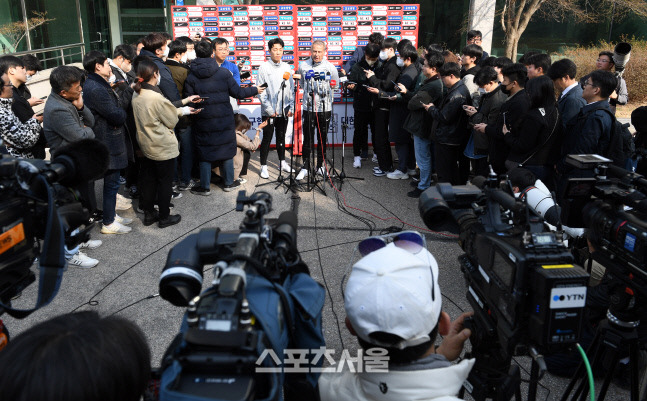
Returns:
(634, 354)
(579, 373)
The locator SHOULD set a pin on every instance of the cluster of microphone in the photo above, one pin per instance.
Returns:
(319, 83)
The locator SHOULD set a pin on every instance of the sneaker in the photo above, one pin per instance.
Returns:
(357, 162)
(133, 192)
(96, 216)
(123, 203)
(122, 181)
(264, 173)
(412, 172)
(302, 174)
(415, 193)
(115, 228)
(169, 221)
(123, 220)
(242, 180)
(80, 259)
(201, 191)
(184, 187)
(397, 175)
(122, 198)
(151, 218)
(285, 166)
(374, 159)
(378, 173)
(91, 244)
(322, 171)
(176, 195)
(231, 187)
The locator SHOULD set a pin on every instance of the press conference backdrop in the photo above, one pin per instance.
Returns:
(342, 27)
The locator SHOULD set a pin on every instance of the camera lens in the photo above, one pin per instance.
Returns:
(434, 210)
(181, 279)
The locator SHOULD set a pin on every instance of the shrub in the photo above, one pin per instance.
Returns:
(635, 72)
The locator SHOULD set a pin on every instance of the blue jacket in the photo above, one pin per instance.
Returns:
(109, 119)
(588, 133)
(167, 85)
(213, 129)
(570, 104)
(234, 70)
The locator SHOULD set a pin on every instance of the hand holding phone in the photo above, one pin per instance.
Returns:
(397, 88)
(263, 86)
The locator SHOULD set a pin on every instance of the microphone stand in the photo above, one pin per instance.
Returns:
(344, 127)
(280, 180)
(332, 171)
(312, 122)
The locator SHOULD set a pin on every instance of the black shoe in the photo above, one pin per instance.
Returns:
(169, 221)
(229, 188)
(201, 191)
(415, 193)
(414, 183)
(96, 216)
(151, 218)
(133, 192)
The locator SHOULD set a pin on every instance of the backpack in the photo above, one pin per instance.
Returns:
(288, 316)
(621, 146)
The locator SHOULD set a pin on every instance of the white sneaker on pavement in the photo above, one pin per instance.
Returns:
(397, 175)
(302, 174)
(123, 203)
(374, 159)
(322, 171)
(264, 173)
(285, 166)
(91, 244)
(123, 220)
(80, 259)
(412, 171)
(115, 228)
(357, 162)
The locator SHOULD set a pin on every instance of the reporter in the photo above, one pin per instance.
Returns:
(155, 118)
(18, 137)
(393, 302)
(76, 357)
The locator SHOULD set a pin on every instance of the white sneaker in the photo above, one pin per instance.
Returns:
(80, 259)
(374, 159)
(115, 228)
(91, 244)
(412, 171)
(264, 173)
(122, 204)
(242, 180)
(285, 166)
(397, 175)
(122, 198)
(123, 220)
(322, 171)
(302, 174)
(357, 162)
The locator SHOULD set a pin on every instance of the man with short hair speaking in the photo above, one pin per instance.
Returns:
(314, 117)
(393, 303)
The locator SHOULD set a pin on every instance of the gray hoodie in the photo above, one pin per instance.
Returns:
(322, 90)
(272, 74)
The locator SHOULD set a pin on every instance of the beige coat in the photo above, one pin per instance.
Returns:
(155, 118)
(243, 142)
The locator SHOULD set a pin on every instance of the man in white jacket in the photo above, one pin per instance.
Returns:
(276, 103)
(393, 302)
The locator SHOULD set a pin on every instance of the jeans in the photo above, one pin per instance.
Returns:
(422, 148)
(110, 188)
(226, 171)
(186, 154)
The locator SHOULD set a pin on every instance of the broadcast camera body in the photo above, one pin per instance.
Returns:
(526, 292)
(262, 298)
(36, 203)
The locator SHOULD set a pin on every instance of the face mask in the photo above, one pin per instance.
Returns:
(112, 79)
(184, 58)
(29, 77)
(159, 79)
(166, 52)
(399, 62)
(190, 55)
(371, 62)
(383, 55)
(505, 90)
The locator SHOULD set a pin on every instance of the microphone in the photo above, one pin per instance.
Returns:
(286, 76)
(327, 78)
(317, 82)
(309, 78)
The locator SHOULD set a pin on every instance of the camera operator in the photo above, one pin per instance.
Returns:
(620, 95)
(393, 302)
(76, 357)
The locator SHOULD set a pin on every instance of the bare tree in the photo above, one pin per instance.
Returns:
(517, 14)
(16, 31)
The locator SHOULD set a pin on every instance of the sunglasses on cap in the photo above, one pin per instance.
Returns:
(410, 241)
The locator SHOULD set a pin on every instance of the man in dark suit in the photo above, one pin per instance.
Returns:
(570, 102)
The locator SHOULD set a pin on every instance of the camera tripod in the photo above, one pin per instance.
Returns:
(344, 126)
(615, 334)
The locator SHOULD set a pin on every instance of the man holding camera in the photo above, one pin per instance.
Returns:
(276, 103)
(393, 303)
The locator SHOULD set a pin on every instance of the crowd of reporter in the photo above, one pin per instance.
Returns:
(166, 109)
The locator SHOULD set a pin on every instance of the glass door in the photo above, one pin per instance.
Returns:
(141, 17)
(97, 26)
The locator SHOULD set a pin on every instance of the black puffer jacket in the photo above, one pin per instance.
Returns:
(450, 121)
(488, 112)
(214, 132)
(109, 119)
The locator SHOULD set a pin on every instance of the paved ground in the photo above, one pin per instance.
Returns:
(126, 280)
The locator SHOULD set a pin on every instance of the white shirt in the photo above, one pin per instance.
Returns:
(568, 89)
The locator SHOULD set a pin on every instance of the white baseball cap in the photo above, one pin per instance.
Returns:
(394, 291)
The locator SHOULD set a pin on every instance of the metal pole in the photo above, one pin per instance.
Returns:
(80, 21)
(62, 57)
(26, 21)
